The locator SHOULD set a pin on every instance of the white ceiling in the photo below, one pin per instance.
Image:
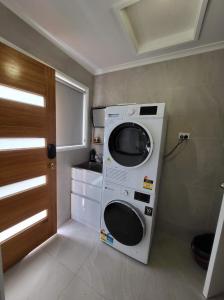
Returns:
(90, 31)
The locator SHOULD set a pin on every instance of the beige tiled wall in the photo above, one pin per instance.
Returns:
(193, 89)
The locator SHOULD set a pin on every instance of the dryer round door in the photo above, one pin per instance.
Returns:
(124, 222)
(130, 144)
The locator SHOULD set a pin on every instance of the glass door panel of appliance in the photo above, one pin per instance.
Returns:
(124, 223)
(129, 144)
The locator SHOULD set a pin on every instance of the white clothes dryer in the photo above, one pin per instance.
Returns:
(133, 145)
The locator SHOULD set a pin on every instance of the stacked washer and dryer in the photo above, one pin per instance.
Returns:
(134, 141)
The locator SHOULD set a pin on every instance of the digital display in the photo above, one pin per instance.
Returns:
(148, 110)
(142, 197)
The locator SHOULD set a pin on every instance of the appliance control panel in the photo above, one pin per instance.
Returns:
(143, 110)
(130, 194)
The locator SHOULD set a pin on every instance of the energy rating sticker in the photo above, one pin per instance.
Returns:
(107, 238)
(103, 236)
(148, 183)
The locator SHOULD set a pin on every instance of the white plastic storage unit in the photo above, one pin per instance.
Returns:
(86, 197)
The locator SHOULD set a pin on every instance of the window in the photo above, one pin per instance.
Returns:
(71, 114)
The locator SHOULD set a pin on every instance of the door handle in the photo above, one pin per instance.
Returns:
(222, 185)
(51, 151)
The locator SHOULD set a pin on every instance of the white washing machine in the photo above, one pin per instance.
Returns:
(134, 140)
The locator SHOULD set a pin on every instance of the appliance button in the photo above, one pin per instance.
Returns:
(131, 112)
(125, 193)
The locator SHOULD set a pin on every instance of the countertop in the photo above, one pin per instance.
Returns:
(91, 166)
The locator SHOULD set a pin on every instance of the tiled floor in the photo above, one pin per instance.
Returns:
(75, 265)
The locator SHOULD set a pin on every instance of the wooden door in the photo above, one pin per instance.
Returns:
(27, 175)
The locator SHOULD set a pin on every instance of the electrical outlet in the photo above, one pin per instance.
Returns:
(184, 135)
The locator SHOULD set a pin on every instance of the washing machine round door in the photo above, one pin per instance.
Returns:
(124, 222)
(130, 144)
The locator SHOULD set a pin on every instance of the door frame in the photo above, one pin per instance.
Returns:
(216, 267)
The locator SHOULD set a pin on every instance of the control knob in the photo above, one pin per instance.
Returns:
(131, 112)
(125, 192)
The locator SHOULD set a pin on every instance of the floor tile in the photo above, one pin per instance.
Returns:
(170, 271)
(78, 232)
(75, 265)
(79, 290)
(114, 275)
(36, 277)
(72, 245)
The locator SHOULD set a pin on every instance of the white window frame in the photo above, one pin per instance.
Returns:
(62, 78)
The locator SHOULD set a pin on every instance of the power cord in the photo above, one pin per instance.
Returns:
(182, 139)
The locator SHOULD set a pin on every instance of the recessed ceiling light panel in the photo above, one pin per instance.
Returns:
(156, 24)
